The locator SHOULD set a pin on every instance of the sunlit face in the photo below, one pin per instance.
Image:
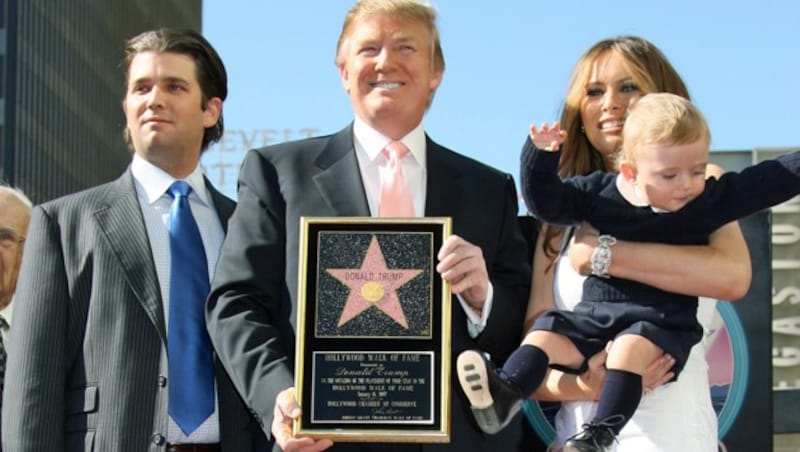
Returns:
(388, 72)
(163, 111)
(609, 91)
(668, 176)
(14, 217)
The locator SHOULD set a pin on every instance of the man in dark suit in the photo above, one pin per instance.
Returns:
(90, 368)
(391, 63)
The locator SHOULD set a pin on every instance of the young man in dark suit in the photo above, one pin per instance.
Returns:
(102, 306)
(391, 63)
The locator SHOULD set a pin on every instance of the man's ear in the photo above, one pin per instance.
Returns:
(345, 78)
(436, 80)
(212, 112)
(628, 170)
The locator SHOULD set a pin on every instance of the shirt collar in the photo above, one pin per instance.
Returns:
(636, 201)
(152, 182)
(8, 311)
(373, 142)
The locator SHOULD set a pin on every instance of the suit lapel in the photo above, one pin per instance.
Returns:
(339, 178)
(120, 219)
(223, 205)
(444, 182)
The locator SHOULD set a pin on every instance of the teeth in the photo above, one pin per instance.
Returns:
(386, 85)
(610, 124)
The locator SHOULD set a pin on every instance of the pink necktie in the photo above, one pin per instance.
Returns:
(395, 197)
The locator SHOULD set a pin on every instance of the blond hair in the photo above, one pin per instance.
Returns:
(402, 9)
(411, 10)
(662, 118)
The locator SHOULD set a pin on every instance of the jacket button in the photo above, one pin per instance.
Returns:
(158, 439)
(162, 381)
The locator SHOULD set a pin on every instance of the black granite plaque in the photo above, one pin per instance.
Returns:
(355, 387)
(375, 284)
(373, 330)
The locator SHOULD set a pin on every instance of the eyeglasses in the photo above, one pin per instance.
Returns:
(9, 238)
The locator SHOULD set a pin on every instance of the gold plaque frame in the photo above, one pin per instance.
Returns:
(373, 330)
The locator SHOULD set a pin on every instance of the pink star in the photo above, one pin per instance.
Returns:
(373, 285)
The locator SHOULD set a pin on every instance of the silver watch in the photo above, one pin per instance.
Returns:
(601, 256)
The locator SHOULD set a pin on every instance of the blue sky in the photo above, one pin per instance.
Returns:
(508, 64)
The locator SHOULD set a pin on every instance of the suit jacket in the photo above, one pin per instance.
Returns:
(88, 370)
(252, 306)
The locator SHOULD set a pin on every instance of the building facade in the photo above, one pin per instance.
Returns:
(61, 87)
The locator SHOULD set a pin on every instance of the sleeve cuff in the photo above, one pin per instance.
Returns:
(475, 322)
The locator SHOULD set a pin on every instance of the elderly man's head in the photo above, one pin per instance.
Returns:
(15, 213)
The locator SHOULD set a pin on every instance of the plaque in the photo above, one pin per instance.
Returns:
(373, 330)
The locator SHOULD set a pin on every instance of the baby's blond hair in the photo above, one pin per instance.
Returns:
(661, 118)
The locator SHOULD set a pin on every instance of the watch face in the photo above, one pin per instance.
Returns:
(601, 256)
(606, 240)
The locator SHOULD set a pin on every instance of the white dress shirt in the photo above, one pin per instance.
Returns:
(369, 144)
(151, 187)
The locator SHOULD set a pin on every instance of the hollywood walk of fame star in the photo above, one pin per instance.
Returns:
(373, 285)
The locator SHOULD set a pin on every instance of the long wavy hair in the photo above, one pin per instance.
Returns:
(650, 70)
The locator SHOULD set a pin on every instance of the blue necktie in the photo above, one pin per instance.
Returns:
(191, 371)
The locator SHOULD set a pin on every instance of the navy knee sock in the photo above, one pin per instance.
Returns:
(526, 368)
(621, 394)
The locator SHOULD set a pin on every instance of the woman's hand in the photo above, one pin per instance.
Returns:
(658, 373)
(584, 241)
(655, 375)
(591, 381)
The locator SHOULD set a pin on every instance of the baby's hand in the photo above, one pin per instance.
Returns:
(547, 138)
